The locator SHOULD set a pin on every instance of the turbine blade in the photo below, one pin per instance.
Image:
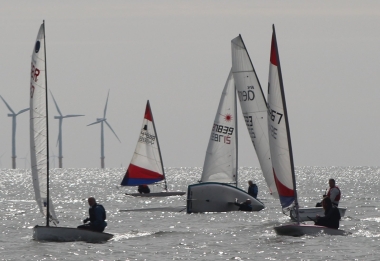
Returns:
(9, 107)
(57, 141)
(105, 108)
(95, 122)
(24, 110)
(72, 115)
(112, 130)
(56, 105)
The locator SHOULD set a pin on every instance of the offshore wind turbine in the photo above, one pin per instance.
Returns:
(13, 115)
(101, 121)
(60, 118)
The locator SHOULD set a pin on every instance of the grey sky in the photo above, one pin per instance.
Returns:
(177, 54)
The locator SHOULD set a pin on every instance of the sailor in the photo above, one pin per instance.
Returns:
(143, 189)
(245, 206)
(333, 194)
(97, 217)
(332, 215)
(252, 189)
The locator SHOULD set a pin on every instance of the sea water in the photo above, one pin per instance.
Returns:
(163, 235)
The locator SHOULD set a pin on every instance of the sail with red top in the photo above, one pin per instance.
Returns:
(278, 130)
(146, 166)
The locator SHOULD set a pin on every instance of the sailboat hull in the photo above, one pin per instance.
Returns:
(297, 230)
(306, 214)
(217, 197)
(67, 234)
(157, 194)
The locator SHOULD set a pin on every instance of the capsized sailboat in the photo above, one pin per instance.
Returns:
(281, 150)
(254, 108)
(39, 140)
(215, 192)
(146, 166)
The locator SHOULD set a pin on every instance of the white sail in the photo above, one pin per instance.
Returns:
(254, 108)
(221, 156)
(38, 125)
(278, 127)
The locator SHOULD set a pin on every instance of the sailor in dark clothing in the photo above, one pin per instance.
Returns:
(97, 217)
(252, 189)
(245, 206)
(332, 215)
(143, 189)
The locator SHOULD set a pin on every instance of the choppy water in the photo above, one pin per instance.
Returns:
(179, 236)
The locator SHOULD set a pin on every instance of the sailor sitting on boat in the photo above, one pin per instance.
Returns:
(332, 215)
(97, 217)
(244, 206)
(143, 189)
(333, 193)
(253, 190)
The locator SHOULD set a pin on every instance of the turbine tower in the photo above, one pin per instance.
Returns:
(60, 118)
(13, 115)
(101, 121)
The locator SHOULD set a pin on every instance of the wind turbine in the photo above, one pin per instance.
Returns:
(25, 160)
(101, 121)
(13, 115)
(53, 156)
(1, 165)
(60, 118)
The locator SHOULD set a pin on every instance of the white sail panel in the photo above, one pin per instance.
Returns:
(254, 108)
(221, 158)
(38, 125)
(278, 132)
(146, 164)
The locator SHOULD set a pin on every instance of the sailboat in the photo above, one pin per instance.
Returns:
(218, 187)
(281, 151)
(146, 166)
(39, 140)
(254, 108)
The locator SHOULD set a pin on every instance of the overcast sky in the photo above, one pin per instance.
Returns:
(177, 54)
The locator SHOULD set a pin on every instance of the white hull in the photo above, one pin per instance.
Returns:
(157, 194)
(67, 234)
(297, 230)
(305, 213)
(160, 209)
(217, 197)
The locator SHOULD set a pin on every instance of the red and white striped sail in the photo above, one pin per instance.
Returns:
(278, 129)
(220, 164)
(38, 125)
(254, 108)
(146, 165)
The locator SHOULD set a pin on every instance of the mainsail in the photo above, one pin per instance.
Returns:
(278, 129)
(39, 127)
(146, 166)
(254, 108)
(221, 157)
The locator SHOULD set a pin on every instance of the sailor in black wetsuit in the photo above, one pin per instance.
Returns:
(143, 189)
(332, 215)
(245, 206)
(97, 217)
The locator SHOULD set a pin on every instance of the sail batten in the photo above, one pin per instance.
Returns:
(220, 163)
(254, 108)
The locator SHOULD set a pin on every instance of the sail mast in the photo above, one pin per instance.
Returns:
(287, 125)
(236, 135)
(47, 139)
(158, 146)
